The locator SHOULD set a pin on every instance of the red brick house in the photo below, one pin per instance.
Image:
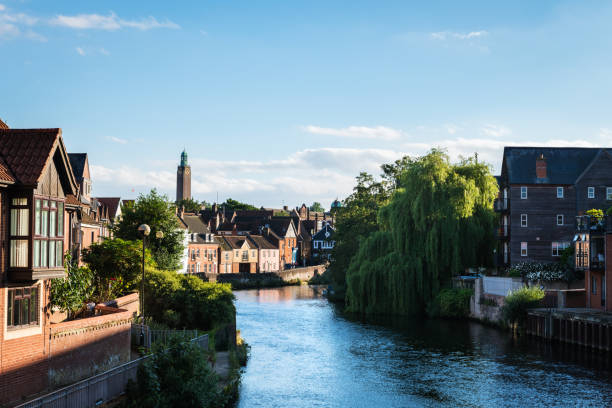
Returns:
(35, 178)
(38, 193)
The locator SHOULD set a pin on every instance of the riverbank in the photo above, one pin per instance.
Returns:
(307, 352)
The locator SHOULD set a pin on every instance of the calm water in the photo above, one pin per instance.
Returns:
(307, 353)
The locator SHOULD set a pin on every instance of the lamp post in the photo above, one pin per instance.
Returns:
(145, 230)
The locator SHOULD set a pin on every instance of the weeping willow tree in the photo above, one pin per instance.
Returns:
(438, 222)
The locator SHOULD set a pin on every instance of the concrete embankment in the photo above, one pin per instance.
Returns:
(267, 278)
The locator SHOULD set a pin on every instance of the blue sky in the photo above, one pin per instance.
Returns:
(284, 102)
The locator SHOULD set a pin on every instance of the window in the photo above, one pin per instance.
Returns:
(591, 192)
(48, 232)
(198, 253)
(523, 249)
(559, 219)
(608, 193)
(22, 307)
(237, 253)
(523, 220)
(92, 236)
(559, 192)
(523, 193)
(593, 285)
(198, 268)
(19, 232)
(558, 247)
(193, 254)
(253, 254)
(227, 256)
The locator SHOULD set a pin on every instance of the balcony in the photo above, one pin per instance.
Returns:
(500, 205)
(502, 232)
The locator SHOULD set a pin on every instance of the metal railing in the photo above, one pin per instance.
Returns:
(100, 388)
(143, 335)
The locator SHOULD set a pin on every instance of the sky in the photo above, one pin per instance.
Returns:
(285, 102)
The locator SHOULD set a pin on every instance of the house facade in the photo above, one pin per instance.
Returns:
(268, 254)
(35, 179)
(245, 253)
(542, 190)
(322, 243)
(202, 248)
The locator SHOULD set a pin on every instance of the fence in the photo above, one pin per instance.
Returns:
(142, 335)
(100, 388)
(500, 286)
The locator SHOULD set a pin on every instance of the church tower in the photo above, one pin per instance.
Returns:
(183, 179)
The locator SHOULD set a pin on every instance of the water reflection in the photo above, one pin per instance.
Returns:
(307, 353)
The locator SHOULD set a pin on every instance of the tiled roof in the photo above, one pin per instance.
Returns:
(195, 224)
(3, 125)
(77, 161)
(280, 225)
(262, 242)
(87, 219)
(235, 241)
(26, 152)
(6, 175)
(563, 164)
(112, 203)
(222, 243)
(71, 199)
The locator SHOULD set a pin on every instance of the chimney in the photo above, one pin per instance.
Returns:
(286, 208)
(541, 167)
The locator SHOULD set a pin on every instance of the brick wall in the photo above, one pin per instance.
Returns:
(81, 348)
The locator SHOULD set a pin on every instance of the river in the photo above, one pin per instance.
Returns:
(307, 353)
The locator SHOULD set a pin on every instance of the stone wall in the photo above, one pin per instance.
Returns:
(483, 311)
(303, 274)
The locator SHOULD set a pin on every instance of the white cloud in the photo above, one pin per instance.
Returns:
(445, 35)
(104, 51)
(357, 132)
(80, 51)
(605, 133)
(2, 7)
(12, 25)
(495, 131)
(117, 140)
(109, 22)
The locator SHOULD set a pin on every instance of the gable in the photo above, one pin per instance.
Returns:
(86, 174)
(291, 231)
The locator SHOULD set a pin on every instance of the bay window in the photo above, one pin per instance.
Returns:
(48, 234)
(19, 232)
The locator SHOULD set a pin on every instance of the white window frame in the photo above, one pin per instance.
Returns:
(524, 190)
(562, 219)
(609, 193)
(524, 218)
(557, 247)
(524, 249)
(560, 192)
(590, 192)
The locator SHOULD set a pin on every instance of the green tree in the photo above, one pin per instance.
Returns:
(355, 220)
(116, 265)
(176, 377)
(317, 207)
(191, 205)
(70, 293)
(187, 301)
(155, 210)
(233, 205)
(437, 223)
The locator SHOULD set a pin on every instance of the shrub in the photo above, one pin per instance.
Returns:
(70, 293)
(595, 213)
(517, 302)
(176, 377)
(451, 303)
(539, 271)
(180, 301)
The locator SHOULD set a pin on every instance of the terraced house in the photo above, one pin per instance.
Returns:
(542, 190)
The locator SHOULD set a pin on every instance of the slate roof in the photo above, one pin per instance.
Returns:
(280, 225)
(195, 224)
(563, 164)
(234, 241)
(261, 242)
(320, 236)
(112, 203)
(25, 153)
(77, 161)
